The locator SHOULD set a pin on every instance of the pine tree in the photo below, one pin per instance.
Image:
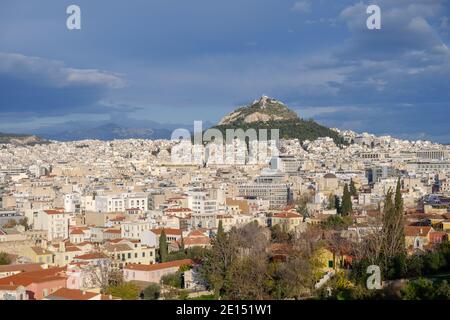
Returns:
(346, 202)
(163, 247)
(353, 190)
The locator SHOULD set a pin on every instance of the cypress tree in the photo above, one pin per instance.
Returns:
(353, 190)
(346, 202)
(337, 204)
(163, 247)
(182, 243)
(220, 231)
(393, 225)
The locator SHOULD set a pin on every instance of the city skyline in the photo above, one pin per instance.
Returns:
(173, 62)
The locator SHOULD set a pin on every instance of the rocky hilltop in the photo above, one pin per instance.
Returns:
(261, 110)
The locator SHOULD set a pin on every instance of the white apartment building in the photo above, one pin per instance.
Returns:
(285, 163)
(201, 202)
(121, 202)
(134, 229)
(72, 202)
(56, 222)
(268, 187)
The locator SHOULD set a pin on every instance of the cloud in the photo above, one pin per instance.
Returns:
(302, 6)
(32, 85)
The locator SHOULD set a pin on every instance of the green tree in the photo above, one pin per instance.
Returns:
(393, 226)
(152, 292)
(126, 291)
(337, 205)
(220, 230)
(172, 280)
(182, 243)
(421, 289)
(163, 247)
(346, 202)
(336, 222)
(331, 202)
(353, 190)
(24, 222)
(4, 258)
(278, 235)
(217, 264)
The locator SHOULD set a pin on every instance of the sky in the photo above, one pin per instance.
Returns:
(170, 61)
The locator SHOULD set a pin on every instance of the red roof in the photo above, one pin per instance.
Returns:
(21, 267)
(71, 294)
(76, 231)
(415, 231)
(54, 211)
(287, 214)
(159, 266)
(168, 231)
(26, 278)
(91, 256)
(170, 210)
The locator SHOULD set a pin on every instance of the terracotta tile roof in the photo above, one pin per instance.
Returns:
(84, 243)
(9, 287)
(415, 231)
(196, 233)
(114, 231)
(54, 211)
(40, 251)
(167, 231)
(71, 294)
(91, 256)
(21, 267)
(287, 215)
(175, 210)
(118, 247)
(76, 231)
(197, 241)
(159, 266)
(26, 278)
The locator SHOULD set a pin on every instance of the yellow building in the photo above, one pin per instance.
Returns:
(287, 220)
(38, 255)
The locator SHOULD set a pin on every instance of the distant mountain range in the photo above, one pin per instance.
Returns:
(109, 131)
(268, 113)
(264, 113)
(20, 139)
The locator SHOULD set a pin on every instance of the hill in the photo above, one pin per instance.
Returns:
(20, 139)
(268, 113)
